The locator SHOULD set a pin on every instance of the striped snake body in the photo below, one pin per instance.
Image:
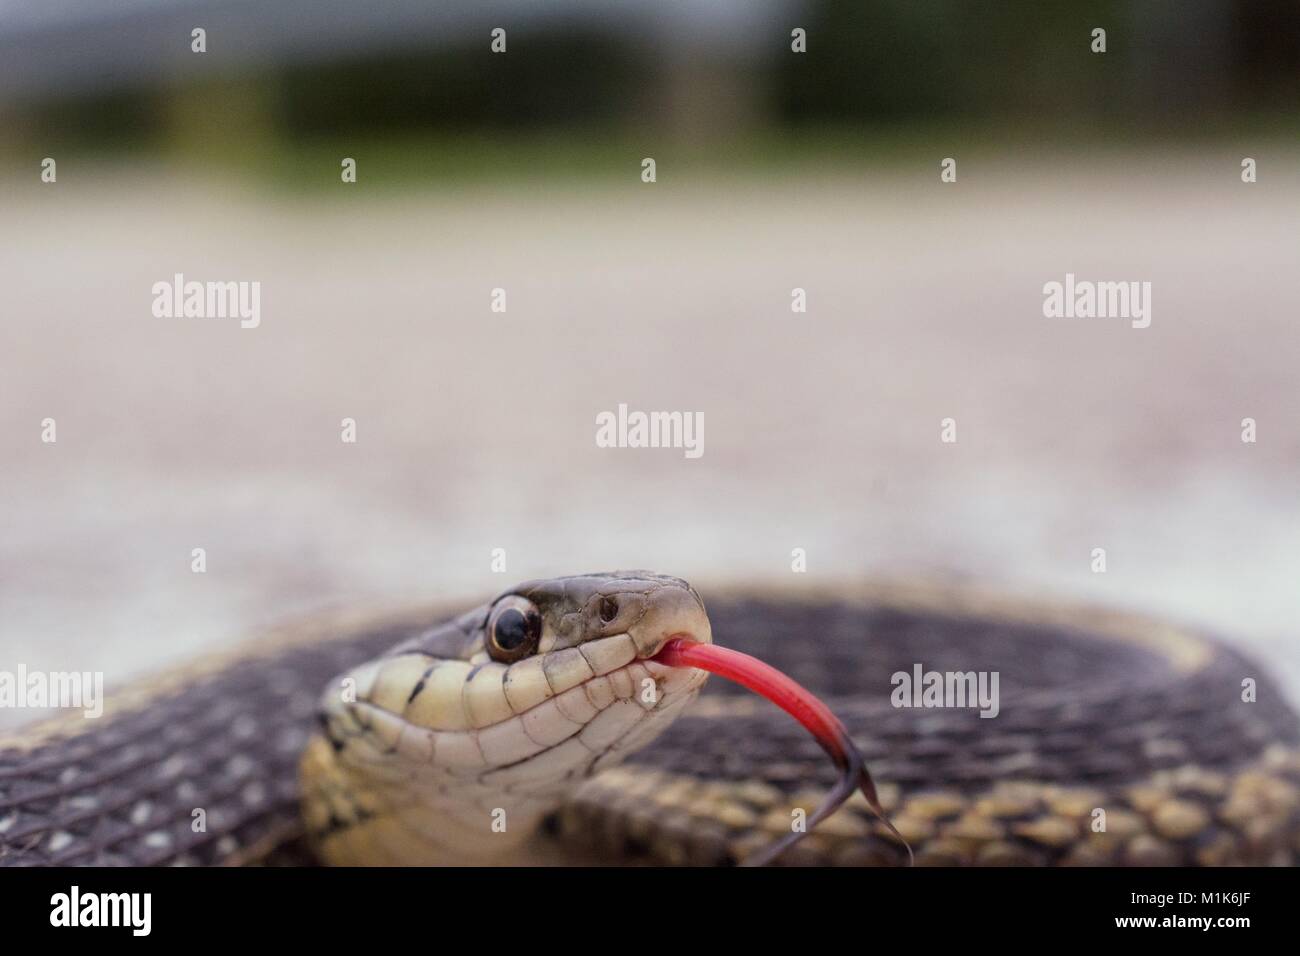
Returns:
(537, 729)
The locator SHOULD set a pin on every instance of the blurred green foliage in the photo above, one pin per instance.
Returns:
(879, 78)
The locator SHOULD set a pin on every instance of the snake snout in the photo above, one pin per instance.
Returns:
(672, 611)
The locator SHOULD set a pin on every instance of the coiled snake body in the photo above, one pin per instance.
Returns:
(536, 729)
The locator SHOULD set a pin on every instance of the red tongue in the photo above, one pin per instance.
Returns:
(799, 703)
(765, 680)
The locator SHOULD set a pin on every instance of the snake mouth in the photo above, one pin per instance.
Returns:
(585, 706)
(671, 613)
(671, 675)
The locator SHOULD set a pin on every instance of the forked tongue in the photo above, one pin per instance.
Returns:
(803, 706)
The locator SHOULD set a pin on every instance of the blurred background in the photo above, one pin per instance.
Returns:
(522, 170)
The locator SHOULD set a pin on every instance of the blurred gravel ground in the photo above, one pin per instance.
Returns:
(476, 429)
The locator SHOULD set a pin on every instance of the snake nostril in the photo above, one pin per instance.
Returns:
(608, 609)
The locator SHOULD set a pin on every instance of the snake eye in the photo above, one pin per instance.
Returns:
(513, 630)
(608, 609)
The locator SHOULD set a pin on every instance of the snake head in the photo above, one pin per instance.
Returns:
(511, 705)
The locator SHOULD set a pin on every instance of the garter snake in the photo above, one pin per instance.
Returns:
(536, 729)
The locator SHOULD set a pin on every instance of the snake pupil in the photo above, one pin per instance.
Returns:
(608, 609)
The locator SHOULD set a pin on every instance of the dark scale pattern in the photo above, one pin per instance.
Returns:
(1072, 709)
(122, 789)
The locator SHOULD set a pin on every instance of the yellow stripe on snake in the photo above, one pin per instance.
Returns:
(537, 729)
